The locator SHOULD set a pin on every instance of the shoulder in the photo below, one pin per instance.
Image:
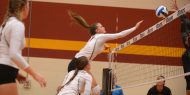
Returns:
(167, 88)
(15, 23)
(99, 35)
(104, 37)
(86, 75)
(71, 72)
(153, 88)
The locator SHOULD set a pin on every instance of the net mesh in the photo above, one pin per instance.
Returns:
(131, 75)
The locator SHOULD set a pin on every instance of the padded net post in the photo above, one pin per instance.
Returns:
(106, 84)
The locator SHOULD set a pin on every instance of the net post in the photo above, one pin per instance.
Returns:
(106, 84)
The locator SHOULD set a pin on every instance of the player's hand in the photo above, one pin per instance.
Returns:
(40, 80)
(174, 5)
(21, 78)
(138, 24)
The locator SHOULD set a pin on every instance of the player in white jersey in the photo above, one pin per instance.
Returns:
(12, 41)
(78, 81)
(96, 44)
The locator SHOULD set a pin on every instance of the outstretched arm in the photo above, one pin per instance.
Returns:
(183, 17)
(121, 34)
(174, 5)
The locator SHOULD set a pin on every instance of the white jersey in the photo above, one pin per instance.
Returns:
(95, 44)
(12, 41)
(81, 82)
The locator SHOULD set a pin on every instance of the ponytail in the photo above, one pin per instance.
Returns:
(81, 63)
(80, 20)
(14, 9)
(74, 75)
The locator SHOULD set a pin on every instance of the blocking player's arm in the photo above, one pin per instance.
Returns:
(184, 19)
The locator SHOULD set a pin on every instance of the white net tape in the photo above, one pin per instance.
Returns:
(153, 28)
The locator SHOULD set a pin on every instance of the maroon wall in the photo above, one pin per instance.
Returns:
(51, 21)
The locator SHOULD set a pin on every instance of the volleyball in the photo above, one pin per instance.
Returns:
(161, 11)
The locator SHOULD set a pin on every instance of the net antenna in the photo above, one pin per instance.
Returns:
(111, 55)
(108, 72)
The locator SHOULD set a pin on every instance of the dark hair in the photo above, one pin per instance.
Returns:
(81, 62)
(80, 20)
(14, 9)
(161, 77)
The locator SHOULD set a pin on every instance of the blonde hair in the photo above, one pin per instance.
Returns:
(14, 9)
(80, 20)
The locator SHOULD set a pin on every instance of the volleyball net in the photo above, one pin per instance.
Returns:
(131, 75)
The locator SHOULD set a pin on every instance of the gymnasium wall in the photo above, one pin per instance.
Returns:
(55, 38)
(51, 24)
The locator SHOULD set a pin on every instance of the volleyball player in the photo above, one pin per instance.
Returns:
(185, 31)
(78, 81)
(96, 43)
(12, 41)
(159, 88)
